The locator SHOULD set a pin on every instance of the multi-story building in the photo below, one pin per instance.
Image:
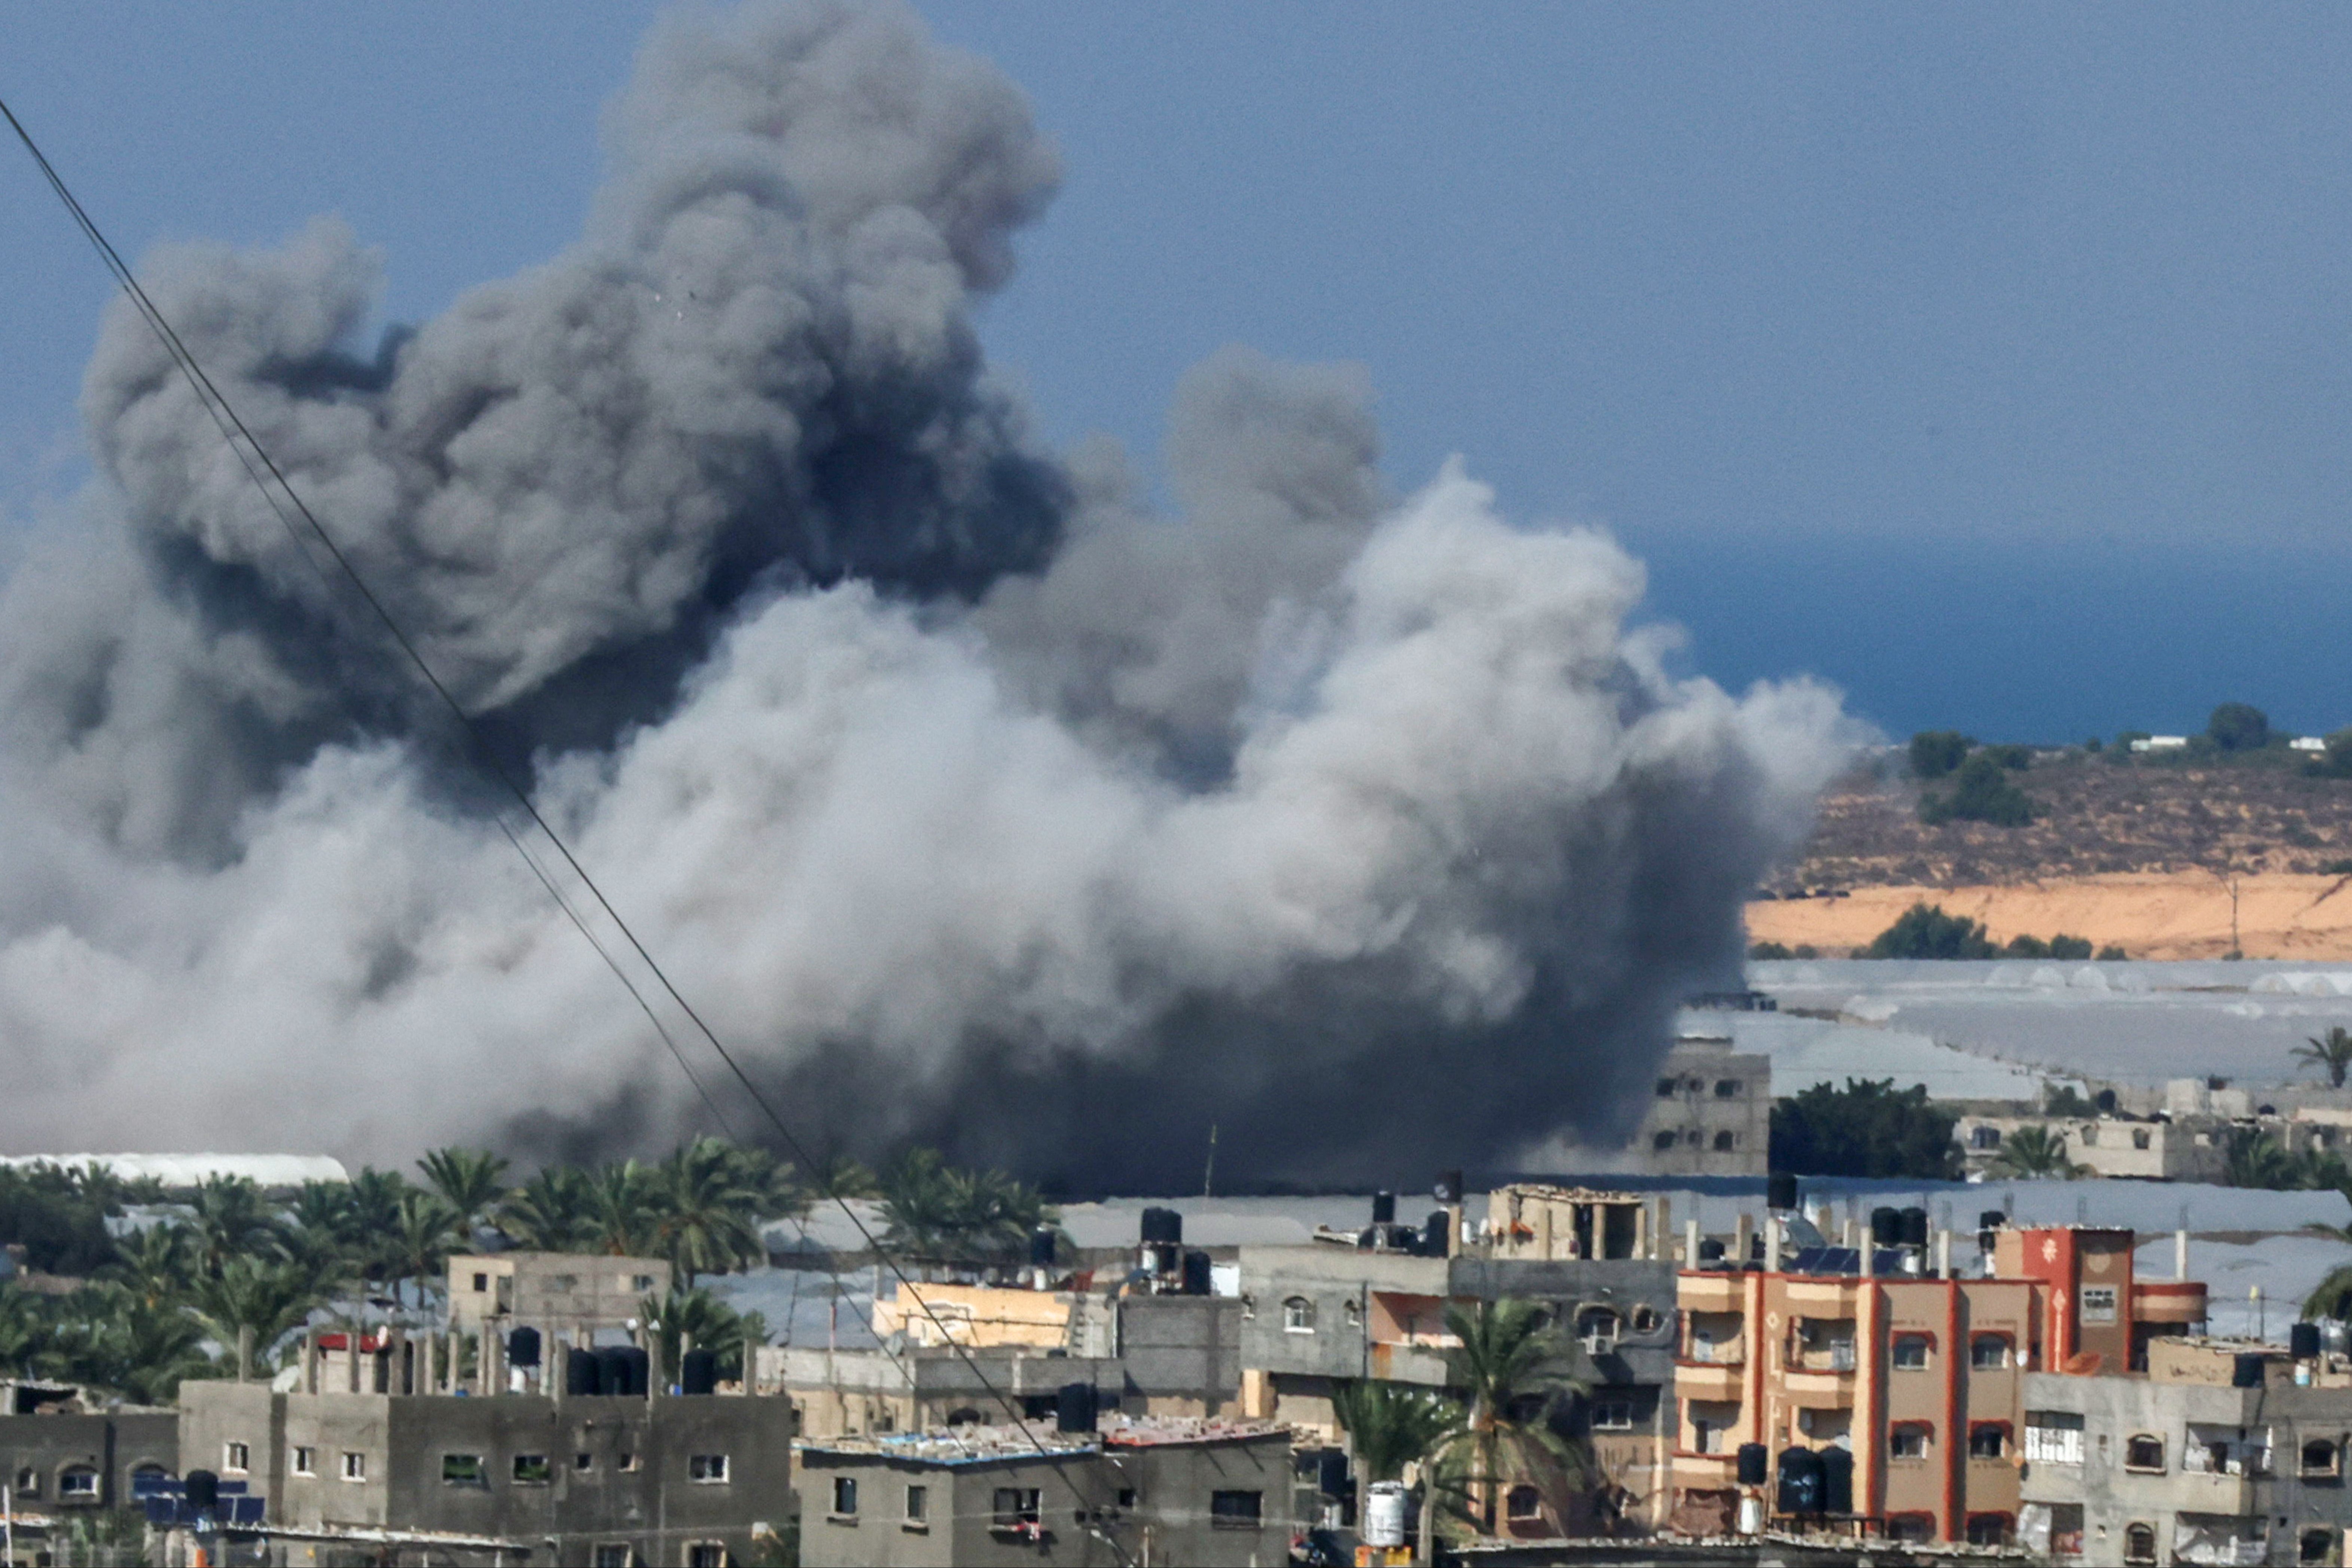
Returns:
(1205, 1493)
(1895, 1386)
(616, 1481)
(62, 1452)
(1711, 1114)
(2223, 1452)
(553, 1290)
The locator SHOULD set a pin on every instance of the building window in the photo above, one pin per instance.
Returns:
(1907, 1442)
(918, 1504)
(1126, 1496)
(355, 1467)
(305, 1462)
(1662, 1142)
(1646, 1320)
(2143, 1451)
(625, 1463)
(582, 1464)
(1354, 1313)
(235, 1459)
(1725, 1142)
(462, 1470)
(1916, 1528)
(29, 1483)
(1984, 1138)
(555, 1282)
(481, 1283)
(2317, 1546)
(2140, 1139)
(611, 1554)
(706, 1469)
(1988, 1529)
(1729, 1088)
(845, 1496)
(1667, 1087)
(1613, 1415)
(78, 1483)
(533, 1470)
(1299, 1316)
(1523, 1503)
(2139, 1543)
(1988, 1440)
(1988, 1353)
(1694, 1137)
(1596, 1331)
(2098, 1304)
(1015, 1507)
(1910, 1352)
(707, 1554)
(641, 1283)
(2053, 1438)
(1236, 1511)
(2319, 1456)
(2088, 1137)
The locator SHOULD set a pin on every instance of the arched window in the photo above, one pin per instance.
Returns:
(1985, 1138)
(1907, 1441)
(1523, 1503)
(963, 1416)
(1725, 1142)
(1299, 1316)
(1988, 1441)
(2319, 1456)
(1596, 1331)
(1646, 1320)
(78, 1483)
(2139, 1543)
(1988, 1529)
(1663, 1140)
(1910, 1352)
(1988, 1353)
(2143, 1451)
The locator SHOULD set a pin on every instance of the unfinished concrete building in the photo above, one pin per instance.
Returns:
(553, 1290)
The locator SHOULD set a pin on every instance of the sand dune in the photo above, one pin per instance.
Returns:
(2147, 914)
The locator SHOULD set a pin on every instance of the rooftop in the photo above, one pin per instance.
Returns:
(1040, 1439)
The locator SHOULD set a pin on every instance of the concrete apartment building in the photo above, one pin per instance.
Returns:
(1907, 1387)
(1711, 1114)
(59, 1452)
(1201, 1494)
(2194, 1149)
(613, 1481)
(552, 1290)
(2223, 1452)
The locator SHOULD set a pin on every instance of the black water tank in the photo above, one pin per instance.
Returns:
(1162, 1225)
(581, 1373)
(1331, 1472)
(523, 1346)
(1073, 1407)
(1755, 1460)
(1710, 1250)
(1447, 1189)
(2303, 1342)
(204, 1489)
(1437, 1235)
(1197, 1279)
(2105, 1101)
(1801, 1481)
(2247, 1371)
(1837, 1480)
(697, 1372)
(1915, 1227)
(1384, 1208)
(1991, 1220)
(1041, 1247)
(1781, 1190)
(624, 1370)
(1885, 1228)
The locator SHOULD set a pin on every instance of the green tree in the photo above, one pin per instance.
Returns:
(1767, 950)
(230, 1219)
(2332, 1297)
(620, 1211)
(270, 1297)
(1511, 1367)
(2065, 1099)
(704, 1203)
(1866, 1128)
(1936, 752)
(2255, 1159)
(53, 1213)
(1980, 792)
(1924, 931)
(555, 1211)
(710, 1323)
(1390, 1424)
(154, 1265)
(2032, 1152)
(468, 1181)
(429, 1229)
(2239, 727)
(2330, 1052)
(2071, 949)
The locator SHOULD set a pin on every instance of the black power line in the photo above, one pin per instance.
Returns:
(252, 453)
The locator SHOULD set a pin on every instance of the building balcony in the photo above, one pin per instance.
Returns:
(1708, 1380)
(1706, 1471)
(1710, 1292)
(1816, 1389)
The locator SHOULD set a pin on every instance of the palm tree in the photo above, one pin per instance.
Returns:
(2034, 1152)
(553, 1212)
(2255, 1159)
(429, 1228)
(231, 1219)
(2330, 1052)
(940, 1214)
(843, 1177)
(2332, 1297)
(713, 1324)
(705, 1213)
(1390, 1424)
(620, 1211)
(154, 1264)
(270, 1297)
(468, 1181)
(1513, 1366)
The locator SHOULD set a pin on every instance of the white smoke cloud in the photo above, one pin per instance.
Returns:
(968, 799)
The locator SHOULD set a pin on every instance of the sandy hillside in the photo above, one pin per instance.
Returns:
(2180, 914)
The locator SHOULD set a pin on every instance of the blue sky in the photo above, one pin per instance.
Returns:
(1992, 362)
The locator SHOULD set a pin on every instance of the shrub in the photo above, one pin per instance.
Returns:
(2070, 947)
(1934, 752)
(1767, 950)
(1980, 792)
(1866, 1128)
(2111, 954)
(2023, 946)
(1924, 931)
(2239, 727)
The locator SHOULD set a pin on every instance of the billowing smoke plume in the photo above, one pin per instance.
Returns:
(969, 798)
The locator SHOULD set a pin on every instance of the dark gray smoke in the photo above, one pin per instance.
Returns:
(970, 799)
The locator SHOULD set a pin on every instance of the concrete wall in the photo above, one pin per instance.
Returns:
(41, 1449)
(1706, 1093)
(552, 1290)
(636, 1484)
